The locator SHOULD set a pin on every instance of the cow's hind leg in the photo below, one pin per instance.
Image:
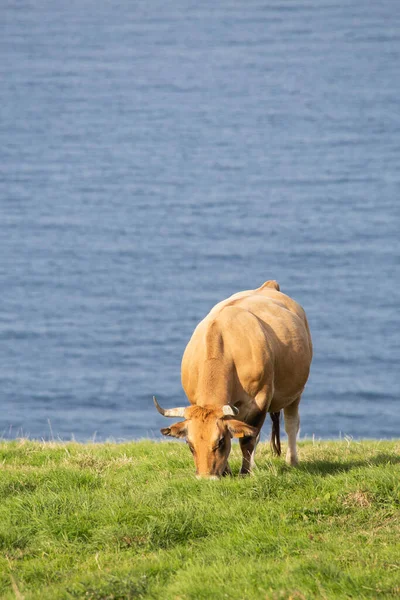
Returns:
(292, 424)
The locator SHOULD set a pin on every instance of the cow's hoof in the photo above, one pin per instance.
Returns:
(292, 461)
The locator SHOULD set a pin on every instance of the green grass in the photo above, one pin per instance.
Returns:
(116, 521)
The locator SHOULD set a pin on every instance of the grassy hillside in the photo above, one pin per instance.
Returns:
(131, 521)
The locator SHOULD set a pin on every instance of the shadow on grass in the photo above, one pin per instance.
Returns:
(327, 467)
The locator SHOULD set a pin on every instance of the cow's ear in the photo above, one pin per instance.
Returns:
(177, 430)
(238, 429)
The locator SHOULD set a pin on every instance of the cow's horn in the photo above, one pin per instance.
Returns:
(170, 412)
(230, 410)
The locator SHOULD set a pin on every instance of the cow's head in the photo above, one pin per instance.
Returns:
(208, 431)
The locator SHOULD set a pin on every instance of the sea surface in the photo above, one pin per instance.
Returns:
(156, 157)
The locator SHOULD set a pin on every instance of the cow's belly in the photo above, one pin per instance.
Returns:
(284, 377)
(280, 402)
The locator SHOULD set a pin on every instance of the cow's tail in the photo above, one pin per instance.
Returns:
(275, 440)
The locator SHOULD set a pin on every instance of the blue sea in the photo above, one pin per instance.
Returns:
(156, 157)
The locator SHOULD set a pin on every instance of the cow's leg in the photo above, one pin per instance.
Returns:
(227, 470)
(248, 447)
(292, 424)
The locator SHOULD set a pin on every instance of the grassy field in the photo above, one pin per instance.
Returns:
(115, 521)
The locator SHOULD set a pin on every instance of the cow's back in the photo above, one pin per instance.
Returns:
(254, 338)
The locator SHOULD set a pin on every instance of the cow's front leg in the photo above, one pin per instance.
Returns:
(248, 447)
(227, 471)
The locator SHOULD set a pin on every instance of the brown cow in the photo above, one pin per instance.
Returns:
(249, 356)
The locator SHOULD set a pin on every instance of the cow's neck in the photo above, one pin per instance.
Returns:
(214, 384)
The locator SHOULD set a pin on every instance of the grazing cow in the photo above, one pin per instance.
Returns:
(249, 356)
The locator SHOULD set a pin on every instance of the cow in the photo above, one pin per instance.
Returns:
(249, 356)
